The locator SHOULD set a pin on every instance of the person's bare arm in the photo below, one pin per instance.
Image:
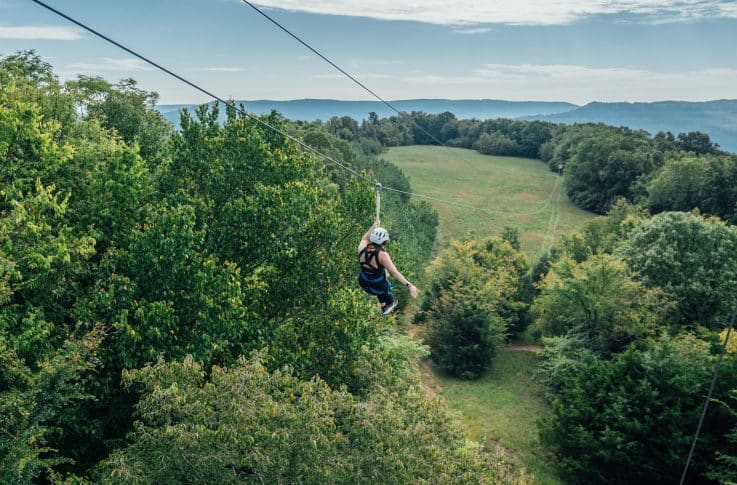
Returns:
(365, 238)
(387, 262)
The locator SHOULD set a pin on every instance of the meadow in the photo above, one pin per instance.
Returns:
(517, 187)
(503, 406)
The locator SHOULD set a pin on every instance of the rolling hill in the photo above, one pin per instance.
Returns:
(717, 118)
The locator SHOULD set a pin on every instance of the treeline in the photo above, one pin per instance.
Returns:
(180, 306)
(601, 163)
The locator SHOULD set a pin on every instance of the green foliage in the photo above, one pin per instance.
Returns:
(463, 332)
(28, 147)
(696, 142)
(597, 302)
(211, 242)
(632, 418)
(495, 144)
(705, 183)
(604, 167)
(44, 261)
(37, 397)
(166, 296)
(248, 425)
(511, 235)
(693, 260)
(34, 82)
(725, 471)
(476, 293)
(678, 186)
(127, 110)
(329, 344)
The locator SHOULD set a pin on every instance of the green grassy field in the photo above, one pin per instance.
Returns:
(493, 183)
(504, 406)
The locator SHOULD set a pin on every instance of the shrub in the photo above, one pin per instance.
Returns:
(478, 291)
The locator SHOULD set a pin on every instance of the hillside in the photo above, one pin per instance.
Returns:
(493, 183)
(324, 109)
(717, 118)
(504, 405)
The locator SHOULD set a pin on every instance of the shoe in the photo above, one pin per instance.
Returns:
(389, 307)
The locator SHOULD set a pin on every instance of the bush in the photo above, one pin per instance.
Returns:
(477, 291)
(631, 419)
(463, 333)
(597, 302)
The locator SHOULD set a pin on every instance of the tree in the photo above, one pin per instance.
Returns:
(708, 183)
(245, 424)
(679, 185)
(477, 293)
(463, 332)
(692, 259)
(631, 419)
(605, 166)
(696, 142)
(37, 400)
(28, 147)
(598, 303)
(496, 144)
(128, 110)
(725, 470)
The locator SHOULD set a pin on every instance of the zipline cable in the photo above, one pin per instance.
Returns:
(264, 123)
(375, 95)
(480, 209)
(193, 85)
(348, 75)
(708, 396)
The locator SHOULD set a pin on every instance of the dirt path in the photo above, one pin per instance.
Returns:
(522, 348)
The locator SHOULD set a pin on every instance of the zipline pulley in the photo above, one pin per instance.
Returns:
(378, 201)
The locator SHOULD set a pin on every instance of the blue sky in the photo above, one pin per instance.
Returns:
(553, 50)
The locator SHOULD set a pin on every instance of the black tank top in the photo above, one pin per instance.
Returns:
(371, 254)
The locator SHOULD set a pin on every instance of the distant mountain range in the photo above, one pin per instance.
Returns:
(324, 109)
(717, 118)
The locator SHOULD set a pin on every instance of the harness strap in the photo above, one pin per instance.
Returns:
(366, 266)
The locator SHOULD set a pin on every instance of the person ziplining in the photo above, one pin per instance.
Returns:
(376, 264)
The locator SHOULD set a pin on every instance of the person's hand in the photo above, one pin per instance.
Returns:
(377, 223)
(413, 290)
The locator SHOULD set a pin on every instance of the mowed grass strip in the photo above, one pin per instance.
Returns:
(512, 184)
(503, 407)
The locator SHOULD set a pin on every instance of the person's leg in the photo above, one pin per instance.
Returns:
(382, 289)
(389, 303)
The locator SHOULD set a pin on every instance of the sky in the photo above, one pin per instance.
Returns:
(542, 50)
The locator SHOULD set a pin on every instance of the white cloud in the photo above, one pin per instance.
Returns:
(31, 32)
(472, 30)
(109, 64)
(517, 12)
(223, 69)
(365, 75)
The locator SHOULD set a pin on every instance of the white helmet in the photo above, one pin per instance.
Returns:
(379, 235)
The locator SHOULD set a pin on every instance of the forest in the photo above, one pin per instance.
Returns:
(180, 305)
